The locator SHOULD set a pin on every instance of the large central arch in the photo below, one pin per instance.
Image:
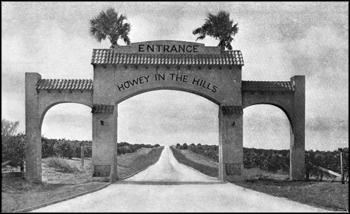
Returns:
(126, 71)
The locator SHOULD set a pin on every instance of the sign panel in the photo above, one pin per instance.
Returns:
(168, 47)
(170, 77)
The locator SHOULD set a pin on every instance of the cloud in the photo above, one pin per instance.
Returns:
(322, 48)
(166, 113)
(14, 51)
(70, 121)
(12, 108)
(323, 124)
(62, 55)
(12, 82)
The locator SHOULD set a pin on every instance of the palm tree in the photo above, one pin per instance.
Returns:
(109, 24)
(220, 27)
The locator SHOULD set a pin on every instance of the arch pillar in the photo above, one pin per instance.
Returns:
(297, 142)
(231, 143)
(290, 97)
(103, 128)
(114, 170)
(33, 129)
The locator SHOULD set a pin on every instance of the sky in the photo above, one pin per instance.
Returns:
(278, 40)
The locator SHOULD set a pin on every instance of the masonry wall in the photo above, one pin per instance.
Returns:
(48, 99)
(33, 129)
(211, 83)
(220, 84)
(111, 89)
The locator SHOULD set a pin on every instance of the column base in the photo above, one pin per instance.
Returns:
(297, 179)
(102, 171)
(235, 178)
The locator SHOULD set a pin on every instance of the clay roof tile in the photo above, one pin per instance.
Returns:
(64, 84)
(109, 56)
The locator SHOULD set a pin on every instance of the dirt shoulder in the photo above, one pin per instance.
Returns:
(328, 195)
(18, 194)
(131, 164)
(196, 161)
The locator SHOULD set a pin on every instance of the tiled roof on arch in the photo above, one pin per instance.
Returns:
(64, 84)
(267, 86)
(109, 56)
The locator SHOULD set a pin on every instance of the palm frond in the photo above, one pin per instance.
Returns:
(220, 27)
(197, 31)
(126, 39)
(235, 29)
(109, 24)
(200, 37)
(228, 46)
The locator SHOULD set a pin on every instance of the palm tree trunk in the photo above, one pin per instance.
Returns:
(222, 48)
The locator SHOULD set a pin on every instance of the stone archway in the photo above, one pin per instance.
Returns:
(41, 95)
(167, 118)
(125, 71)
(289, 96)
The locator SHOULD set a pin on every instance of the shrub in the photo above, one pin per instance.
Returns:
(124, 147)
(62, 165)
(48, 148)
(12, 144)
(13, 149)
(66, 149)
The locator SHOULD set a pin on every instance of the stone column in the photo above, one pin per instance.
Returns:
(231, 143)
(33, 129)
(102, 139)
(114, 172)
(297, 145)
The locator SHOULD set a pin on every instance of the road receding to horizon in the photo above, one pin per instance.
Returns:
(169, 186)
(168, 169)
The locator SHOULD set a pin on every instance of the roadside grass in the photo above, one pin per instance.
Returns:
(132, 163)
(52, 175)
(62, 165)
(332, 196)
(196, 161)
(328, 195)
(18, 194)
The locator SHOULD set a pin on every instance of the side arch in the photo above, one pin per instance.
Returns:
(40, 96)
(290, 98)
(44, 109)
(283, 101)
(286, 110)
(47, 100)
(270, 121)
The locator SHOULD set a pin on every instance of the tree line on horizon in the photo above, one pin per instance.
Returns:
(277, 161)
(13, 146)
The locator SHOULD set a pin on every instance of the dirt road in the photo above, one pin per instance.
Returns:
(169, 186)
